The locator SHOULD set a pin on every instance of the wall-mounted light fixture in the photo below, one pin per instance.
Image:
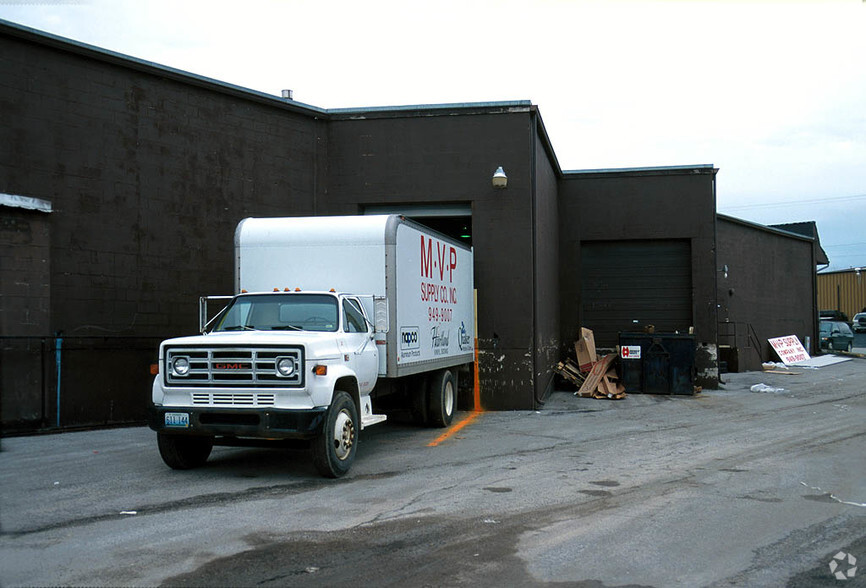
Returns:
(500, 180)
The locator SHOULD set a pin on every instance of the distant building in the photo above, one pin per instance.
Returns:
(843, 290)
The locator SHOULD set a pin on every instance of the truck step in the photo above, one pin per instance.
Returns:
(372, 419)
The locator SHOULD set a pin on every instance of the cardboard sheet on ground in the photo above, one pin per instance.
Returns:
(824, 360)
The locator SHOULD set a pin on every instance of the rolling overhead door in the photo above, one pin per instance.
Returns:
(627, 285)
(454, 220)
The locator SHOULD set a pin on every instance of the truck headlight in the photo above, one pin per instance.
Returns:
(180, 366)
(285, 366)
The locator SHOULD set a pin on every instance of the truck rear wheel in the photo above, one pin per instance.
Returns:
(335, 447)
(181, 452)
(442, 399)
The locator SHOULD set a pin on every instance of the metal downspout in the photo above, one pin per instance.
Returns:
(58, 346)
(715, 298)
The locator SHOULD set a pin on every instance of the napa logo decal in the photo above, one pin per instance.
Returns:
(410, 343)
(409, 338)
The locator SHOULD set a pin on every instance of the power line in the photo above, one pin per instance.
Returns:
(825, 246)
(796, 202)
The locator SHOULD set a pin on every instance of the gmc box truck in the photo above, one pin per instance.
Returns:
(330, 315)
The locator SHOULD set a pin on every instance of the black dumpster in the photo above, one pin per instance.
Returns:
(657, 363)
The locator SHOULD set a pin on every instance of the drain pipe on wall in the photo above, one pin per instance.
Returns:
(58, 346)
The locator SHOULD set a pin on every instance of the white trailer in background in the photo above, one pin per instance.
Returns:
(330, 314)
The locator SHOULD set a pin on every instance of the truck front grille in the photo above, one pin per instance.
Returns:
(238, 399)
(235, 367)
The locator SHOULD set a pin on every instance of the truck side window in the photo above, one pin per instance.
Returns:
(353, 320)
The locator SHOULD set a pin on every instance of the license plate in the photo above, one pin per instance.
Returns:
(177, 419)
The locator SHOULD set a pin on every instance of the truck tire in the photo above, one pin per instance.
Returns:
(181, 452)
(334, 449)
(441, 399)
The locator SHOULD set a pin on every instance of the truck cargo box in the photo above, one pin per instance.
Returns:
(421, 281)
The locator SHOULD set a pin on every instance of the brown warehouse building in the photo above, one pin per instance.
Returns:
(122, 182)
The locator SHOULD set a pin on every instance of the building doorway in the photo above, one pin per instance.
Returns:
(453, 220)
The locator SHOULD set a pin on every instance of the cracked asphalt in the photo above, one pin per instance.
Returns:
(727, 488)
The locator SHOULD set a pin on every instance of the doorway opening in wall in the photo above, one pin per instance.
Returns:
(453, 220)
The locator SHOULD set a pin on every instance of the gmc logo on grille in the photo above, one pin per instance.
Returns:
(231, 366)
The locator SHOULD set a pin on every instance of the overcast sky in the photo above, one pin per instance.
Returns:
(772, 93)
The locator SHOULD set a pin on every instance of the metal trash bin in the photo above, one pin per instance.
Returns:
(657, 363)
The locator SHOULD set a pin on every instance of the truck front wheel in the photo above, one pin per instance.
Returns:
(180, 452)
(442, 399)
(334, 449)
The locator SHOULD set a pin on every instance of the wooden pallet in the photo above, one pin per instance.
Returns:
(571, 372)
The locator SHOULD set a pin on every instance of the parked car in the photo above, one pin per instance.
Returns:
(835, 335)
(833, 315)
(859, 323)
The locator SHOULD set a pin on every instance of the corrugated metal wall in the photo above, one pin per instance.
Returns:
(845, 291)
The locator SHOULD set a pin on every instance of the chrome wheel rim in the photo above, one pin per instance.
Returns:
(344, 435)
(449, 398)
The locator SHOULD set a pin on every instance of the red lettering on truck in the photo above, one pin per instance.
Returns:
(426, 258)
(444, 260)
(452, 264)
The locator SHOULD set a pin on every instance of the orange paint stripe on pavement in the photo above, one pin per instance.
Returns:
(444, 436)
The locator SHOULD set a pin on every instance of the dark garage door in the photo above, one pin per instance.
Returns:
(649, 281)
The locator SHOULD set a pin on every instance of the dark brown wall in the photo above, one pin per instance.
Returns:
(770, 289)
(149, 171)
(25, 278)
(148, 178)
(25, 300)
(547, 292)
(621, 205)
(404, 158)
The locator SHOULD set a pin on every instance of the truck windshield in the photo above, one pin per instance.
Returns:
(280, 312)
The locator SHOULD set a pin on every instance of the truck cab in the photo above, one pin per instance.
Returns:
(270, 368)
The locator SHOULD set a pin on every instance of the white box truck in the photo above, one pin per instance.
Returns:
(330, 315)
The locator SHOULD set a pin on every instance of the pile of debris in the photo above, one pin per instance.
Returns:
(594, 378)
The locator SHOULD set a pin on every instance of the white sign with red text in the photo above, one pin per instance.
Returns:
(630, 352)
(434, 285)
(789, 349)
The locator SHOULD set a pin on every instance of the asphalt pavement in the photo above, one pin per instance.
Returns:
(726, 488)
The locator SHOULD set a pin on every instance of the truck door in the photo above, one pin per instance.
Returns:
(360, 345)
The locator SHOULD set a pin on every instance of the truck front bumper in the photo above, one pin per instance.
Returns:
(248, 423)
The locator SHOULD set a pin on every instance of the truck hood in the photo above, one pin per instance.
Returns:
(318, 346)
